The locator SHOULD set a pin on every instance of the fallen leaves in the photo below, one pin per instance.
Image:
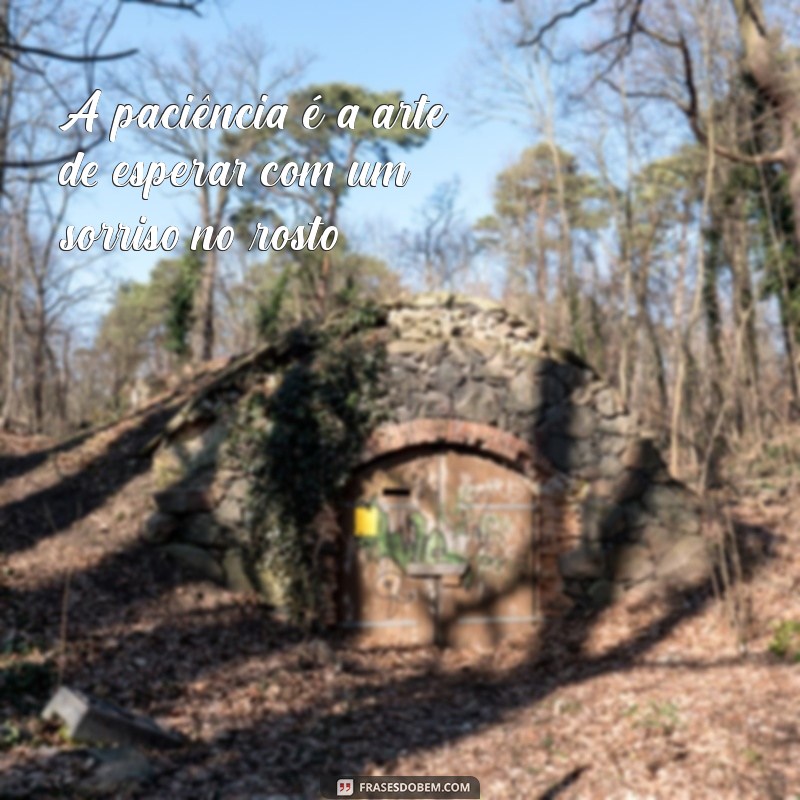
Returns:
(268, 710)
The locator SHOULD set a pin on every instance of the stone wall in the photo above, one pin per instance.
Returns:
(456, 359)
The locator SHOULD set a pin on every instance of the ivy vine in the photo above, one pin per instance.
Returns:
(300, 444)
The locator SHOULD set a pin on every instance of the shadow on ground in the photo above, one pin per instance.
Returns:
(341, 718)
(46, 512)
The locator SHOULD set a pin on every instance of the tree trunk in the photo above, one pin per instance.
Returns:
(202, 335)
(10, 343)
(775, 75)
(38, 378)
(201, 338)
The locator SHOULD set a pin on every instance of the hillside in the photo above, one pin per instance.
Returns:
(669, 700)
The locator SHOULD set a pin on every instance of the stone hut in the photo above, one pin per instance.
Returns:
(471, 480)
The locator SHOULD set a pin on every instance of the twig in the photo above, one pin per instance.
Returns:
(62, 628)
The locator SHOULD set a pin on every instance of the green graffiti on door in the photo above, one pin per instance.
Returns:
(416, 544)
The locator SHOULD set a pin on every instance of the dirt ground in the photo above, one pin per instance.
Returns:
(665, 699)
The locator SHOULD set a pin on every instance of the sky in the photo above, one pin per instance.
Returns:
(416, 47)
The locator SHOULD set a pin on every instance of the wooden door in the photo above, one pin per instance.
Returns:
(440, 546)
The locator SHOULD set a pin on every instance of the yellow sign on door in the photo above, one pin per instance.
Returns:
(367, 520)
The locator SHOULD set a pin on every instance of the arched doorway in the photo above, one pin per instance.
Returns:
(449, 542)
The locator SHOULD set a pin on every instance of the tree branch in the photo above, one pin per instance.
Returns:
(47, 53)
(180, 5)
(693, 115)
(51, 160)
(555, 20)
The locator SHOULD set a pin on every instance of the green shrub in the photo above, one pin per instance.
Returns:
(785, 642)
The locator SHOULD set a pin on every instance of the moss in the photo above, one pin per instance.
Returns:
(167, 470)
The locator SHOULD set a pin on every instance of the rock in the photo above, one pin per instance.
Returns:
(607, 466)
(613, 525)
(674, 506)
(640, 594)
(448, 376)
(608, 403)
(577, 422)
(197, 560)
(612, 445)
(553, 390)
(602, 522)
(274, 586)
(200, 451)
(231, 511)
(159, 527)
(566, 454)
(594, 511)
(581, 564)
(665, 497)
(601, 593)
(642, 454)
(435, 353)
(632, 564)
(239, 490)
(623, 425)
(193, 449)
(478, 402)
(120, 771)
(686, 564)
(236, 577)
(658, 539)
(482, 350)
(411, 349)
(636, 516)
(435, 404)
(201, 529)
(184, 501)
(629, 485)
(571, 371)
(524, 391)
(89, 719)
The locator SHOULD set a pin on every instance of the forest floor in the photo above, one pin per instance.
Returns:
(678, 699)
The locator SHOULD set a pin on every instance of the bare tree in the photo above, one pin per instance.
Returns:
(239, 78)
(27, 44)
(49, 53)
(440, 252)
(668, 33)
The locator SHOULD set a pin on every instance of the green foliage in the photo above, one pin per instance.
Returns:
(10, 735)
(19, 644)
(316, 424)
(128, 326)
(785, 642)
(147, 318)
(268, 311)
(544, 207)
(329, 142)
(180, 300)
(325, 143)
(317, 272)
(529, 188)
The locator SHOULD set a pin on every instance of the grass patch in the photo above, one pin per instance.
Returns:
(785, 642)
